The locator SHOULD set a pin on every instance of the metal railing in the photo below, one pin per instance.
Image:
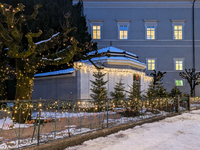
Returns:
(194, 103)
(31, 122)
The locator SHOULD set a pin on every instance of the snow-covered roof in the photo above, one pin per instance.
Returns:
(116, 58)
(53, 73)
(112, 49)
(119, 57)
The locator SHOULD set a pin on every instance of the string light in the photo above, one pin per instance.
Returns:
(124, 72)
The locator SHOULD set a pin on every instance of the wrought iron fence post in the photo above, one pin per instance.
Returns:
(107, 112)
(178, 103)
(38, 136)
(20, 111)
(55, 125)
(189, 102)
(142, 107)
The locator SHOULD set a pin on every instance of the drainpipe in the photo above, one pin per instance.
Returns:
(193, 43)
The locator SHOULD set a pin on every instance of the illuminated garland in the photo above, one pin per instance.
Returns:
(124, 72)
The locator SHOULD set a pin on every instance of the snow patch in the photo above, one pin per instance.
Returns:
(40, 42)
(53, 73)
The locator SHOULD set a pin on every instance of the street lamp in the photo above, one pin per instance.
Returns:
(193, 39)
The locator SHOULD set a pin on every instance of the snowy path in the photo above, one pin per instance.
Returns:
(176, 133)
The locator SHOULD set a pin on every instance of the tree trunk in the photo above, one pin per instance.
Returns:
(2, 85)
(24, 86)
(192, 92)
(22, 109)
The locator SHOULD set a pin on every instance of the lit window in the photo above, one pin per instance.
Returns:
(178, 32)
(179, 82)
(150, 29)
(178, 29)
(151, 64)
(151, 32)
(96, 32)
(179, 64)
(123, 32)
(123, 29)
(96, 28)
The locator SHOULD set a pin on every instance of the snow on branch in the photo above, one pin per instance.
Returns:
(52, 59)
(47, 39)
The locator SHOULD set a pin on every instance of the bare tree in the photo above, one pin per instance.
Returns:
(192, 78)
(157, 77)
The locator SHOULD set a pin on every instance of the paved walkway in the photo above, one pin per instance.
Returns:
(176, 133)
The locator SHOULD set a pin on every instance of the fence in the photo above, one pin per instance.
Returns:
(42, 121)
(194, 103)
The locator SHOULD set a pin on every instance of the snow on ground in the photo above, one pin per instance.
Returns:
(176, 133)
(44, 137)
(57, 115)
(7, 124)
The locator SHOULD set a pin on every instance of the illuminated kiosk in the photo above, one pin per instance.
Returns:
(74, 83)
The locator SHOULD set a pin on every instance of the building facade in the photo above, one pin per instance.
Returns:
(160, 32)
(75, 83)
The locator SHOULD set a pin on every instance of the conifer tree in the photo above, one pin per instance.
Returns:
(161, 91)
(156, 88)
(118, 93)
(134, 91)
(99, 91)
(151, 92)
(134, 95)
(175, 91)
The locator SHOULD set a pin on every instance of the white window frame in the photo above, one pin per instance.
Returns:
(180, 23)
(151, 23)
(155, 63)
(123, 23)
(179, 79)
(183, 60)
(96, 23)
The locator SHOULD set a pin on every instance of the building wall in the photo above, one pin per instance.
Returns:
(164, 48)
(112, 77)
(55, 87)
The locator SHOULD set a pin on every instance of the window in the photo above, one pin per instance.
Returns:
(178, 32)
(151, 32)
(151, 64)
(123, 33)
(150, 29)
(178, 63)
(178, 29)
(96, 32)
(179, 82)
(123, 29)
(96, 29)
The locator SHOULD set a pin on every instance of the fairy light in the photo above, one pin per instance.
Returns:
(125, 72)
